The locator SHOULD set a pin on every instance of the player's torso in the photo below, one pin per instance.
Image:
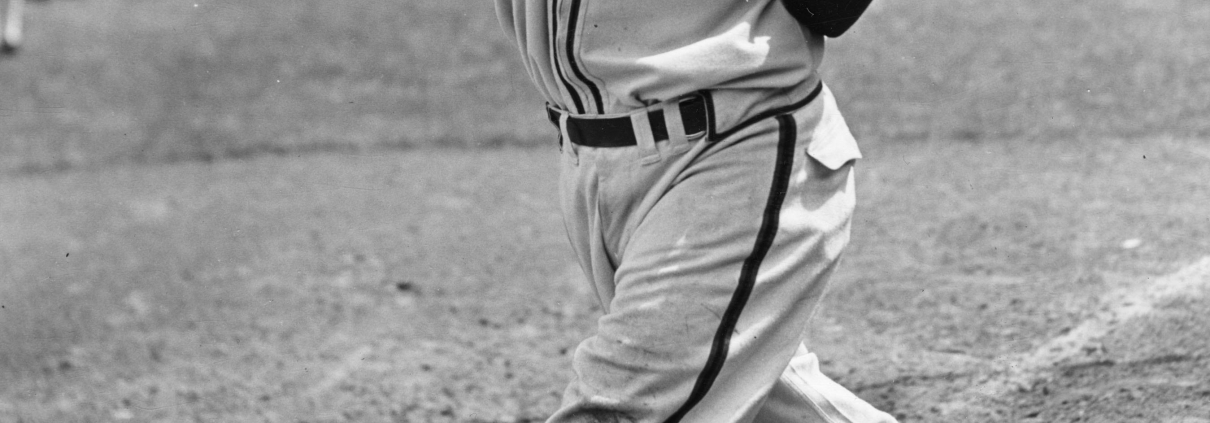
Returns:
(610, 56)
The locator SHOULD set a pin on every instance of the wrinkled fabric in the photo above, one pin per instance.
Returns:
(666, 243)
(614, 56)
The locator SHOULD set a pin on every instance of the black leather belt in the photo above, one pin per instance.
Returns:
(695, 115)
(618, 132)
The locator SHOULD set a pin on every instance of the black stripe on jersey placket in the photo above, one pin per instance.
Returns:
(783, 167)
(554, 57)
(572, 19)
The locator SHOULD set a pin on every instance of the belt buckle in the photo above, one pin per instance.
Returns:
(696, 95)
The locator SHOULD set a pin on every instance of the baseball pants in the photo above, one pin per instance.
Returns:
(709, 257)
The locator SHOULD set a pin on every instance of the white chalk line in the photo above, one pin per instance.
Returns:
(1021, 372)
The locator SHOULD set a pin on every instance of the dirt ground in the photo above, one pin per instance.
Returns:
(1029, 247)
(436, 285)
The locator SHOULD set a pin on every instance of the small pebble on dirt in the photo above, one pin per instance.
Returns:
(406, 286)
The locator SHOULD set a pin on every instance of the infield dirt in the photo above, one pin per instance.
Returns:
(1026, 161)
(436, 286)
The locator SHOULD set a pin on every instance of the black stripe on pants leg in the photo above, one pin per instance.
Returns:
(787, 138)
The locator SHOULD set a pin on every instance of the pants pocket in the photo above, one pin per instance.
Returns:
(830, 141)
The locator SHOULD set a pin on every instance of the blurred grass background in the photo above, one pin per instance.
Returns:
(103, 81)
(119, 81)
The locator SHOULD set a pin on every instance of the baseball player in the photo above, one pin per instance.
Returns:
(707, 191)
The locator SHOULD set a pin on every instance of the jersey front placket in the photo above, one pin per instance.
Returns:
(564, 25)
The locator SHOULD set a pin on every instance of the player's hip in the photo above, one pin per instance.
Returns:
(609, 186)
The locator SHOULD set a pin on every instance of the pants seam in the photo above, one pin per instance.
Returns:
(782, 170)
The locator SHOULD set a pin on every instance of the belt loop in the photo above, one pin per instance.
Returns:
(641, 125)
(674, 123)
(569, 147)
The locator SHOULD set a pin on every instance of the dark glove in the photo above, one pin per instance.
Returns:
(827, 17)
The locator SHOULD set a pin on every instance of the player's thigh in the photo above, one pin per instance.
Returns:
(681, 264)
(711, 286)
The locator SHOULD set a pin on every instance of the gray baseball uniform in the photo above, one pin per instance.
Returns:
(707, 190)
